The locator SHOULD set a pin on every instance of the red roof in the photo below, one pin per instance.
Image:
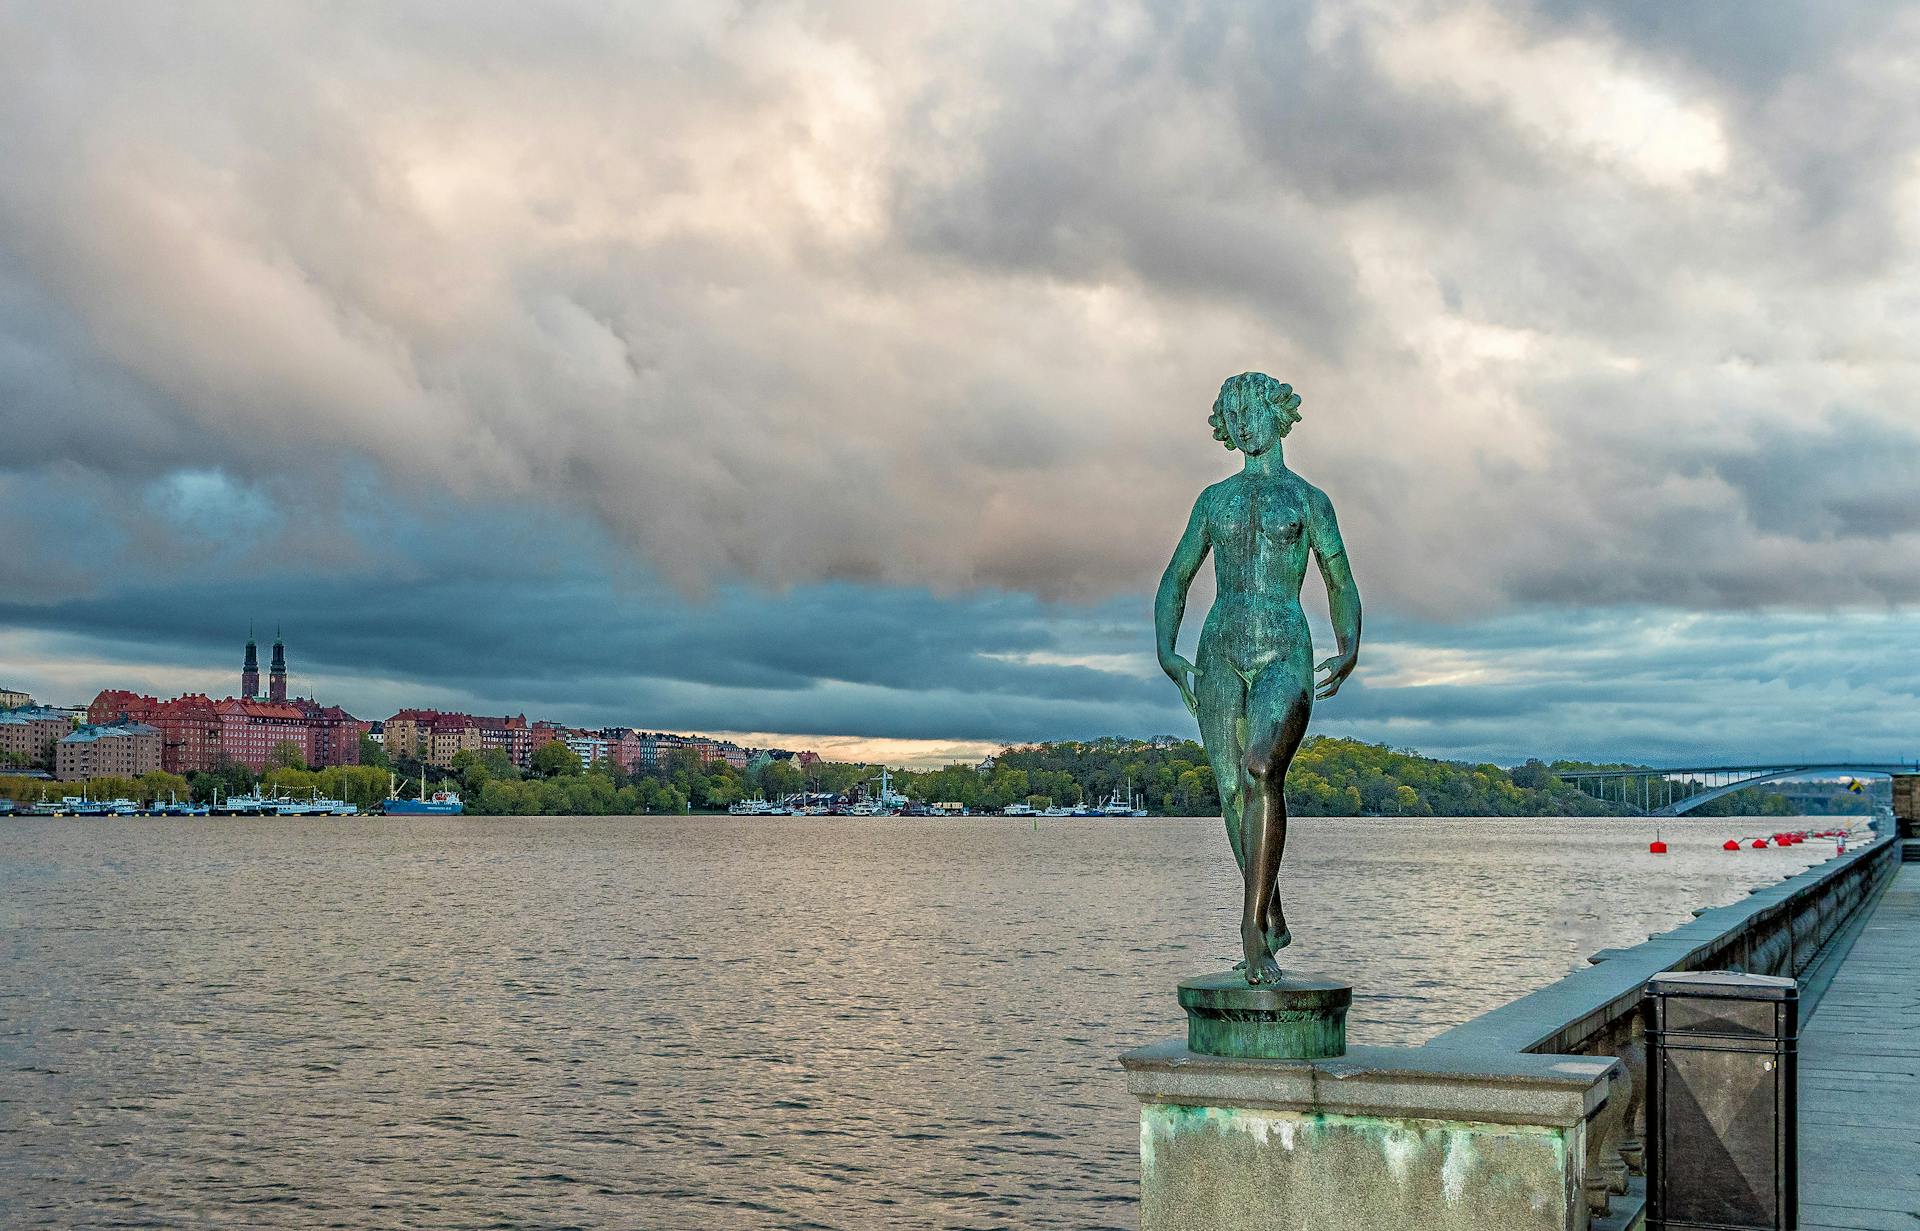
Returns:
(258, 709)
(191, 705)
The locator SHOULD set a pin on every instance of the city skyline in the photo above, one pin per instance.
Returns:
(850, 389)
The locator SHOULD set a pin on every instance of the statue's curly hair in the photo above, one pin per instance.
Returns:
(1239, 392)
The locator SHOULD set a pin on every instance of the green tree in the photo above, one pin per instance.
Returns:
(286, 755)
(554, 759)
(778, 779)
(373, 752)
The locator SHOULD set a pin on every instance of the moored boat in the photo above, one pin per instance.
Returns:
(250, 803)
(1113, 805)
(440, 803)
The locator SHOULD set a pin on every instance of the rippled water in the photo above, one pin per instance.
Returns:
(703, 1023)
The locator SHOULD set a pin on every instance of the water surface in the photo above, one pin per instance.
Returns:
(707, 1023)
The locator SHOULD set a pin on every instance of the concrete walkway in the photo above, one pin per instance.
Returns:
(1860, 1078)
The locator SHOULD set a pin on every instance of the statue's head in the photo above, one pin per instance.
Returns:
(1254, 412)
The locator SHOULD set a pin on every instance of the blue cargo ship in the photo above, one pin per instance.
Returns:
(440, 803)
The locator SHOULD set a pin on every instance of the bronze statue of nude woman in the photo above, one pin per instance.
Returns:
(1253, 686)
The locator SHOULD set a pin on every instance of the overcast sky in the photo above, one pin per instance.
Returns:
(842, 371)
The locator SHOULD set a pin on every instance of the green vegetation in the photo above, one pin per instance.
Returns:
(286, 755)
(1330, 777)
(145, 789)
(364, 785)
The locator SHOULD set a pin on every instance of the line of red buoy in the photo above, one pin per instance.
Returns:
(1791, 837)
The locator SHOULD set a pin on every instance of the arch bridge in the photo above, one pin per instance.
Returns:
(1677, 790)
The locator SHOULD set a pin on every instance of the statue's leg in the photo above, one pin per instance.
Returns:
(1222, 697)
(1279, 704)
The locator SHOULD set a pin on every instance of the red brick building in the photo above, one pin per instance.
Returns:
(333, 735)
(251, 730)
(189, 726)
(197, 732)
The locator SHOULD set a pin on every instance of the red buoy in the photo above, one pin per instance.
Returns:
(1759, 844)
(1731, 844)
(1657, 847)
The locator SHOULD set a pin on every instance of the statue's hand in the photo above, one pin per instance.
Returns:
(1338, 668)
(1183, 673)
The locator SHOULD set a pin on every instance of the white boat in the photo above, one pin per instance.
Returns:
(1113, 805)
(1020, 809)
(313, 805)
(251, 803)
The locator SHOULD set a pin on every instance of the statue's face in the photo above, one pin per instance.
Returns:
(1258, 428)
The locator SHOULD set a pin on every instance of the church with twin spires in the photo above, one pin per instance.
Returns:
(199, 733)
(250, 671)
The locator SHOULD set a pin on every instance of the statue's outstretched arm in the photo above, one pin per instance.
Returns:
(1343, 596)
(1170, 604)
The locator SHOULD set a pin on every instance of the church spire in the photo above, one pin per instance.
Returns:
(277, 676)
(250, 668)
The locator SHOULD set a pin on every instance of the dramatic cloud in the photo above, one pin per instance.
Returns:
(846, 324)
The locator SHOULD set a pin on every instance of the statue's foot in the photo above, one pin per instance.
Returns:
(1279, 936)
(1259, 967)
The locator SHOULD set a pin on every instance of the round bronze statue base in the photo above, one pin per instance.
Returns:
(1302, 1017)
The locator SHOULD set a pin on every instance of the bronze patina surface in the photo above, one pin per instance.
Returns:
(1252, 686)
(1301, 1017)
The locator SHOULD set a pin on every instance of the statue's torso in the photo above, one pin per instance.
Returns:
(1257, 527)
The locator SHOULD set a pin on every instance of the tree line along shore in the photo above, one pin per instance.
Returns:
(1171, 777)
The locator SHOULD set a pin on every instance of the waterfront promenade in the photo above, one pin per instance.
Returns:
(1860, 1077)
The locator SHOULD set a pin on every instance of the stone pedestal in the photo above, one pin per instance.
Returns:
(1380, 1139)
(1302, 1017)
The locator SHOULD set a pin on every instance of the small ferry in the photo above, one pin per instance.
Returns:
(440, 803)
